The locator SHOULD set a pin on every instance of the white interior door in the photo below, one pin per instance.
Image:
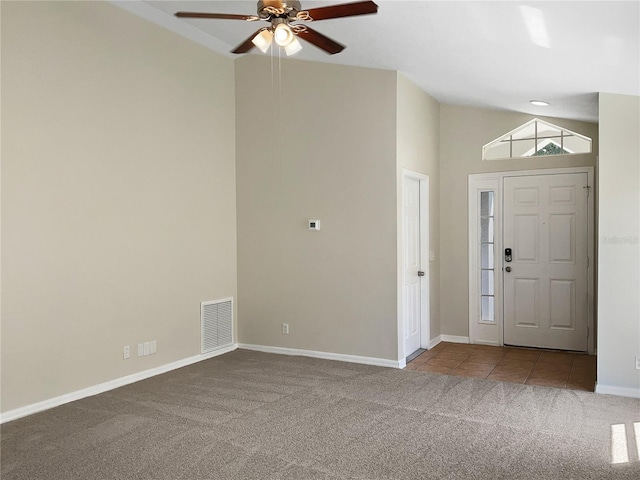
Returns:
(411, 279)
(545, 284)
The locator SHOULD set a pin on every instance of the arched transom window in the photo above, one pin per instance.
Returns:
(536, 138)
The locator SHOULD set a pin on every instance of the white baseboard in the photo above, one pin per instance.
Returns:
(454, 339)
(379, 362)
(106, 386)
(619, 391)
(136, 377)
(448, 338)
(486, 342)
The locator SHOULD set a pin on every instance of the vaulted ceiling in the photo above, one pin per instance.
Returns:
(498, 54)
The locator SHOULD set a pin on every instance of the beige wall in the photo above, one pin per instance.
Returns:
(463, 132)
(324, 150)
(619, 244)
(418, 149)
(118, 194)
(119, 200)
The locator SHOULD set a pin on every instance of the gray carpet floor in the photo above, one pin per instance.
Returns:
(250, 415)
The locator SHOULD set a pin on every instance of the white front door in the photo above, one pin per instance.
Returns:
(545, 283)
(411, 281)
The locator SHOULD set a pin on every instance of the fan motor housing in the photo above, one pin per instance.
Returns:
(290, 7)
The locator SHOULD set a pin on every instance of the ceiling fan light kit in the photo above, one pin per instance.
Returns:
(281, 15)
(282, 33)
(263, 40)
(293, 47)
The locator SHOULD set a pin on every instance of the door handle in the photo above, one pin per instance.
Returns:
(420, 273)
(508, 269)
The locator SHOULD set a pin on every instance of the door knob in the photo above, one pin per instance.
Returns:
(508, 269)
(421, 274)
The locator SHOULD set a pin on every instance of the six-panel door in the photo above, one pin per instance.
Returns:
(411, 282)
(545, 291)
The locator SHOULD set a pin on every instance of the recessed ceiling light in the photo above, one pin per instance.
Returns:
(539, 103)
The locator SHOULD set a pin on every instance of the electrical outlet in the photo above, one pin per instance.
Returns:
(637, 362)
(126, 352)
(285, 328)
(153, 345)
(140, 349)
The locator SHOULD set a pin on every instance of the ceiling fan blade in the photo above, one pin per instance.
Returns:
(319, 40)
(223, 16)
(247, 45)
(343, 10)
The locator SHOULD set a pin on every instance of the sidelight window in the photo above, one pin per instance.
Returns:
(487, 250)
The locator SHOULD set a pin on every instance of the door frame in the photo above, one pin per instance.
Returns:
(425, 336)
(493, 333)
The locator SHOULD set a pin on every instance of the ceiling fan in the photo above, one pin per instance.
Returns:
(281, 16)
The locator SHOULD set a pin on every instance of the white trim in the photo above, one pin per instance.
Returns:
(454, 339)
(106, 386)
(448, 338)
(619, 391)
(477, 179)
(341, 357)
(486, 342)
(425, 286)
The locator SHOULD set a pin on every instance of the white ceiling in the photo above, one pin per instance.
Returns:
(497, 54)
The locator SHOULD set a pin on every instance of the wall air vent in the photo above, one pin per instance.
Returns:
(216, 318)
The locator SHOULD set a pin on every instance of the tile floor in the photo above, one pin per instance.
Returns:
(508, 364)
